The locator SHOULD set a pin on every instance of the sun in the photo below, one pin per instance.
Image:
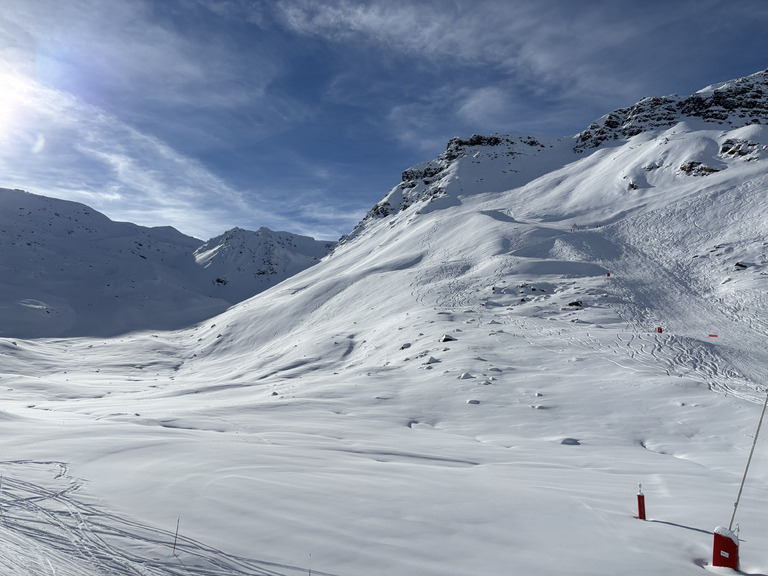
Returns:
(17, 98)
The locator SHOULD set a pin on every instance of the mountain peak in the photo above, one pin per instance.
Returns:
(734, 103)
(428, 182)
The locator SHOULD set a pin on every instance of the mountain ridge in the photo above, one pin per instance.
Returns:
(238, 264)
(736, 103)
(68, 270)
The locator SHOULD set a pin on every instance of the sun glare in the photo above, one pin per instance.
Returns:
(16, 99)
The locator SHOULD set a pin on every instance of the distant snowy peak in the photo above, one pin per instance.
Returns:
(245, 262)
(264, 245)
(68, 270)
(734, 103)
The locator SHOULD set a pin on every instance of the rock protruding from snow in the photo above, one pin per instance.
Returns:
(735, 103)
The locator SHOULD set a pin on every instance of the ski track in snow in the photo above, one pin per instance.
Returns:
(645, 295)
(46, 529)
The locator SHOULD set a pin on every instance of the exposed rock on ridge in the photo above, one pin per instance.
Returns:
(425, 182)
(736, 103)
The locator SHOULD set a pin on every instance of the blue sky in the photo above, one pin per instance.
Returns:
(300, 115)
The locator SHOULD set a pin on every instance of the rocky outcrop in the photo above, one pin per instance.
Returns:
(425, 182)
(736, 103)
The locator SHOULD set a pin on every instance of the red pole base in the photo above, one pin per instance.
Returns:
(641, 506)
(726, 549)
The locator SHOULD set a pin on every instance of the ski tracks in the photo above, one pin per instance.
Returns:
(46, 529)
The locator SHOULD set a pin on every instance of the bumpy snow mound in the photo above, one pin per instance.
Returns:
(736, 103)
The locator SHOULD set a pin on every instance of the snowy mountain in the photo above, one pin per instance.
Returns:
(473, 382)
(246, 262)
(514, 161)
(739, 102)
(67, 270)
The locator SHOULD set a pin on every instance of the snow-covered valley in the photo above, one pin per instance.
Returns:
(474, 381)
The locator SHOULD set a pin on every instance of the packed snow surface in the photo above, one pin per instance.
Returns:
(474, 382)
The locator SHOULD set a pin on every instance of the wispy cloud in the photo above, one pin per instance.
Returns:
(588, 56)
(105, 48)
(57, 145)
(466, 66)
(484, 107)
(520, 38)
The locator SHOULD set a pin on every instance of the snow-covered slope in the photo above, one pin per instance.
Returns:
(474, 382)
(67, 270)
(245, 262)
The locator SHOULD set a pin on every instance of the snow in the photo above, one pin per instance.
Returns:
(67, 270)
(326, 420)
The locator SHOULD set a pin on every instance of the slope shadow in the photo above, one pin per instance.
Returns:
(709, 532)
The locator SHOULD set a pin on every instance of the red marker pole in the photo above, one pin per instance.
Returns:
(640, 502)
(725, 550)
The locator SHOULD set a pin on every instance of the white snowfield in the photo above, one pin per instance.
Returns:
(474, 385)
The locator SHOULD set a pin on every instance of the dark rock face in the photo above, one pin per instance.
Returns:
(737, 103)
(697, 169)
(424, 182)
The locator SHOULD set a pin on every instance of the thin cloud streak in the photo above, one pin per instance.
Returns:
(93, 157)
(104, 49)
(595, 53)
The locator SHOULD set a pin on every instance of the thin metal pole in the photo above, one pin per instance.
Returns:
(749, 460)
(176, 537)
